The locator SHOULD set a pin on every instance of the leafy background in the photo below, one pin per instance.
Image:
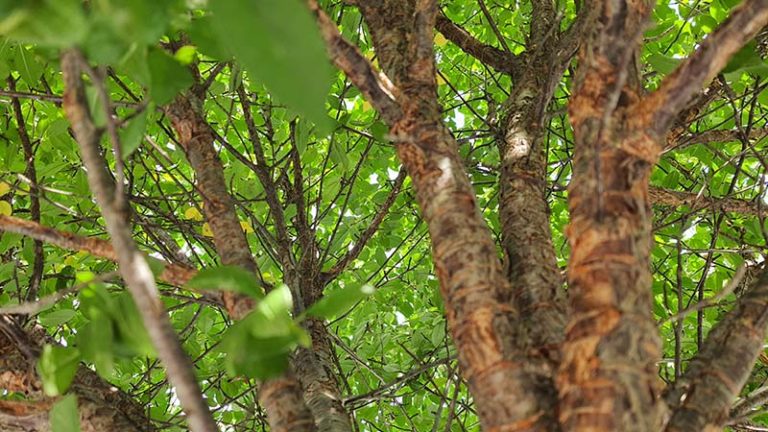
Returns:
(394, 363)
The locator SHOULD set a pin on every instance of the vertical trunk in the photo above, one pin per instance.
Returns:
(608, 377)
(504, 386)
(532, 265)
(281, 397)
(321, 390)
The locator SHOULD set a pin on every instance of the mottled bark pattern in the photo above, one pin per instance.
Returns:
(282, 400)
(504, 385)
(703, 396)
(196, 138)
(608, 378)
(321, 390)
(537, 286)
(102, 407)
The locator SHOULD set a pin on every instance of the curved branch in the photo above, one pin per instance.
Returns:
(503, 61)
(376, 87)
(133, 267)
(366, 235)
(702, 398)
(662, 106)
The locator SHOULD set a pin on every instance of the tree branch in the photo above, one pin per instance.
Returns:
(661, 107)
(376, 87)
(34, 198)
(503, 61)
(174, 274)
(368, 233)
(133, 267)
(673, 198)
(702, 398)
(280, 396)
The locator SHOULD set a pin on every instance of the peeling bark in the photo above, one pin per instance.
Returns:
(702, 398)
(472, 282)
(101, 406)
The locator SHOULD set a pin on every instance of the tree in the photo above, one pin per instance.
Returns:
(539, 216)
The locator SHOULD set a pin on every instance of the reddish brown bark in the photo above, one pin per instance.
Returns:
(702, 398)
(282, 396)
(472, 282)
(502, 61)
(608, 378)
(102, 407)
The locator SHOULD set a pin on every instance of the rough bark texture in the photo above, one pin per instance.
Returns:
(608, 379)
(524, 212)
(133, 266)
(196, 138)
(702, 398)
(321, 390)
(282, 396)
(472, 282)
(102, 407)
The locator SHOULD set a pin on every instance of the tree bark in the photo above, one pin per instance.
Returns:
(102, 407)
(132, 264)
(702, 398)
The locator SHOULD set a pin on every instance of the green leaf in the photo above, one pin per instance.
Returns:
(57, 367)
(259, 345)
(662, 63)
(57, 318)
(96, 342)
(379, 130)
(744, 58)
(102, 44)
(202, 34)
(135, 65)
(168, 76)
(278, 43)
(186, 54)
(132, 134)
(339, 302)
(132, 337)
(96, 107)
(64, 416)
(157, 266)
(249, 356)
(339, 156)
(26, 63)
(228, 278)
(51, 23)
